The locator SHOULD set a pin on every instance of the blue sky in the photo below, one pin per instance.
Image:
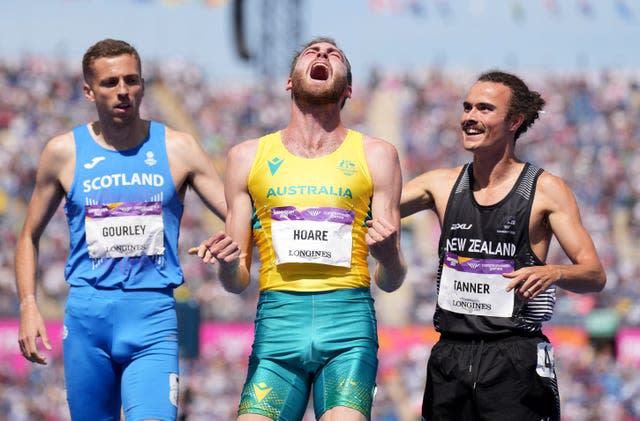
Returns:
(397, 34)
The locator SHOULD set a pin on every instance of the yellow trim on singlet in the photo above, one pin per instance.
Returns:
(340, 179)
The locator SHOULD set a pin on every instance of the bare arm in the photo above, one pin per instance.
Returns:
(232, 248)
(57, 156)
(428, 191)
(586, 274)
(383, 237)
(236, 278)
(416, 195)
(190, 166)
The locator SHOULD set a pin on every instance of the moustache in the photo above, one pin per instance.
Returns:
(469, 124)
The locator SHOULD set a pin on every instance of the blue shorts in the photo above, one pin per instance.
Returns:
(121, 350)
(323, 341)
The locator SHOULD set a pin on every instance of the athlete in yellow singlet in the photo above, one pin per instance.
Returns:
(311, 211)
(317, 199)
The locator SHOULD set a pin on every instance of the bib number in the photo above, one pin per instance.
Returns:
(546, 363)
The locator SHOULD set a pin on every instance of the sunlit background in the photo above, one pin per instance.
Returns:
(217, 69)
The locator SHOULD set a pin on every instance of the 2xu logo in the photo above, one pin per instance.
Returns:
(461, 227)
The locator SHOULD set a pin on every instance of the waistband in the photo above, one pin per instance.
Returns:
(344, 292)
(119, 294)
(503, 337)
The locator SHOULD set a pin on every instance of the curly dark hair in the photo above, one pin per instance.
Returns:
(523, 100)
(107, 48)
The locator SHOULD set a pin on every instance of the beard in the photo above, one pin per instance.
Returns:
(305, 93)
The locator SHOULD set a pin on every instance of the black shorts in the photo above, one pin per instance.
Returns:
(510, 378)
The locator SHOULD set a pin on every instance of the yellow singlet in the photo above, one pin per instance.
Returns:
(309, 216)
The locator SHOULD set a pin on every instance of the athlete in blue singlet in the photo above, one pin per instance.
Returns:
(123, 179)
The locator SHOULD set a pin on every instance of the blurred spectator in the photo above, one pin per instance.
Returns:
(589, 135)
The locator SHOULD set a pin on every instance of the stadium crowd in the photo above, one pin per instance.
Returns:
(589, 135)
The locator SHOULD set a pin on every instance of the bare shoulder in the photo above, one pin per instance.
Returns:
(60, 147)
(178, 141)
(550, 182)
(184, 150)
(244, 151)
(58, 155)
(376, 148)
(57, 161)
(239, 162)
(553, 191)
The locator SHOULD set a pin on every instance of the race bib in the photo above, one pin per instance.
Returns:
(313, 235)
(546, 363)
(476, 286)
(124, 229)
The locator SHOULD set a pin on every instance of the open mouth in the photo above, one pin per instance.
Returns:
(471, 129)
(319, 71)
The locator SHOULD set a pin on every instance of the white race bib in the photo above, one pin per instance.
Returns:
(125, 229)
(476, 286)
(546, 363)
(313, 235)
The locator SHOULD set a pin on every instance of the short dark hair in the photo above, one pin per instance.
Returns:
(523, 100)
(318, 40)
(107, 48)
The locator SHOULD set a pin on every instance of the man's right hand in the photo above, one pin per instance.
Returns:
(220, 247)
(31, 327)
